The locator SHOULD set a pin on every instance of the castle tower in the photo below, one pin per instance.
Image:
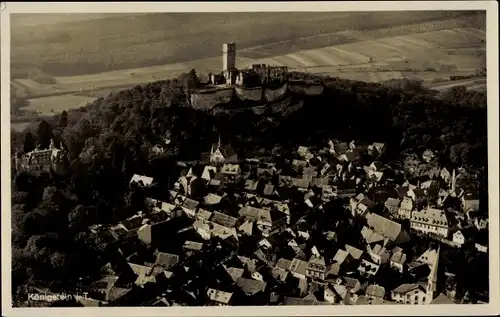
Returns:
(228, 56)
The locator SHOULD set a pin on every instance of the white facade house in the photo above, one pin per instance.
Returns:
(458, 238)
(405, 208)
(430, 220)
(410, 294)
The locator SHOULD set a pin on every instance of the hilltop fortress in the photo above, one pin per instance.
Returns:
(259, 85)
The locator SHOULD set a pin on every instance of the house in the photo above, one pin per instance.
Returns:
(251, 185)
(330, 295)
(224, 220)
(251, 286)
(347, 288)
(458, 238)
(219, 298)
(233, 171)
(222, 154)
(209, 173)
(445, 175)
(279, 274)
(355, 253)
(349, 156)
(470, 202)
(379, 254)
(367, 268)
(338, 148)
(430, 220)
(300, 184)
(166, 260)
(428, 156)
(414, 293)
(442, 299)
(316, 268)
(360, 205)
(303, 151)
(107, 290)
(372, 237)
(269, 190)
(297, 267)
(142, 180)
(392, 205)
(481, 248)
(299, 164)
(398, 259)
(191, 246)
(246, 228)
(212, 199)
(388, 228)
(376, 149)
(405, 209)
(375, 291)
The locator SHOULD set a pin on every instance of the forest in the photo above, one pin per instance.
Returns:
(111, 139)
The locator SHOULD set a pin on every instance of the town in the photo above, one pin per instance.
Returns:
(326, 226)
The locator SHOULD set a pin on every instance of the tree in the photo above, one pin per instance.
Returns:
(190, 80)
(44, 133)
(63, 119)
(29, 143)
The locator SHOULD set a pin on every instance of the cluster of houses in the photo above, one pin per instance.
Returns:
(235, 232)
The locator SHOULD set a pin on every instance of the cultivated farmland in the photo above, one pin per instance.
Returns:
(90, 66)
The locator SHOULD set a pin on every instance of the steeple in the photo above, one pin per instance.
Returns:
(218, 144)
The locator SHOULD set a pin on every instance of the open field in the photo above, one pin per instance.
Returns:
(55, 104)
(126, 42)
(398, 47)
(369, 60)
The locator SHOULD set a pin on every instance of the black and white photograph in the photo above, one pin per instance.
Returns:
(232, 158)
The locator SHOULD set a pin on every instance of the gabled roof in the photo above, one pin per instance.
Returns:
(224, 220)
(354, 252)
(405, 288)
(234, 272)
(392, 202)
(398, 257)
(212, 199)
(442, 299)
(251, 286)
(246, 227)
(191, 245)
(375, 290)
(219, 296)
(140, 178)
(226, 150)
(388, 228)
(371, 236)
(340, 256)
(166, 260)
(430, 216)
(317, 260)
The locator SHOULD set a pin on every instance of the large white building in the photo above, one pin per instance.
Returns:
(430, 220)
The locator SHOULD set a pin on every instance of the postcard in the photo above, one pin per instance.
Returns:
(244, 158)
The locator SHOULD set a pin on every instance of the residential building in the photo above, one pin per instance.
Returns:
(219, 298)
(430, 220)
(405, 209)
(414, 293)
(316, 268)
(458, 238)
